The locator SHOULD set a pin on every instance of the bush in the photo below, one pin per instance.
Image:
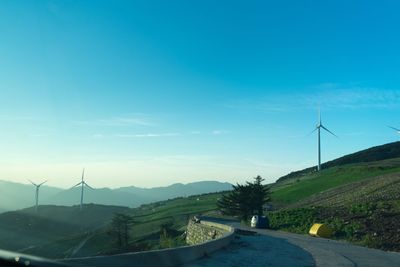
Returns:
(296, 220)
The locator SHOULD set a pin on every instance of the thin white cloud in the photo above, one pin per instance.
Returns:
(353, 97)
(328, 96)
(130, 120)
(146, 135)
(219, 132)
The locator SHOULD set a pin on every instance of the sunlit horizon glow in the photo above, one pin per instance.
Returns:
(175, 92)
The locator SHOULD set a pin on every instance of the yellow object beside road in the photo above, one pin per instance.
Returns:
(320, 230)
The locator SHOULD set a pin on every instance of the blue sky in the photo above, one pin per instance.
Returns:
(150, 93)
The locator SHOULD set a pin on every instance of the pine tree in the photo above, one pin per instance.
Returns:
(119, 228)
(245, 200)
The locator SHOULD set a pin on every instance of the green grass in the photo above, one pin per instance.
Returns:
(56, 230)
(314, 183)
(373, 224)
(148, 219)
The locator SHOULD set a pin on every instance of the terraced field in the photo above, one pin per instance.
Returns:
(380, 188)
(297, 189)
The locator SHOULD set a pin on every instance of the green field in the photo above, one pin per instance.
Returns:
(305, 186)
(360, 202)
(144, 232)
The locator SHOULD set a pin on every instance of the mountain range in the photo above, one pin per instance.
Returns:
(15, 196)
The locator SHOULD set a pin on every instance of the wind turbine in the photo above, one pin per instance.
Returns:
(318, 128)
(82, 183)
(37, 193)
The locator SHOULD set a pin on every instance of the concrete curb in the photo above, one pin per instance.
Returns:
(163, 257)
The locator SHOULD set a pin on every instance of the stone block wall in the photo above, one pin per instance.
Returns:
(199, 232)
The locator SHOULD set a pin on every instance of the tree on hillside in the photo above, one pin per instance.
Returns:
(166, 240)
(119, 228)
(245, 200)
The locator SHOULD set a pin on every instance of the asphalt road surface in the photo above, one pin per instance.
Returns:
(275, 248)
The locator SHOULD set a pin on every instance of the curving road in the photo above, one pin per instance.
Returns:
(275, 248)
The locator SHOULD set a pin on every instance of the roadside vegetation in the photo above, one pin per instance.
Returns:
(360, 201)
(373, 224)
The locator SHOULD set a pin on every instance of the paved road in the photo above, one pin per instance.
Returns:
(274, 248)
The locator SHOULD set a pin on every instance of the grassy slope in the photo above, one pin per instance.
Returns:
(361, 202)
(305, 186)
(26, 228)
(377, 153)
(378, 188)
(148, 220)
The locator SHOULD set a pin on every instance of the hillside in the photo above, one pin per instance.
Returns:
(25, 228)
(60, 232)
(359, 200)
(377, 153)
(305, 186)
(383, 187)
(15, 196)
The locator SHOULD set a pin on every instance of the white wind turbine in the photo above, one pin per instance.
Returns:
(82, 183)
(318, 128)
(37, 193)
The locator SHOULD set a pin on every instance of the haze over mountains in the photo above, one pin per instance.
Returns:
(17, 196)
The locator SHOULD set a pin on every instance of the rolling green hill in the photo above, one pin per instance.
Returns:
(291, 191)
(357, 195)
(377, 153)
(149, 218)
(62, 232)
(23, 229)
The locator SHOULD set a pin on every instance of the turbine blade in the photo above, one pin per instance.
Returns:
(42, 183)
(397, 130)
(32, 183)
(88, 185)
(326, 129)
(83, 173)
(316, 128)
(76, 185)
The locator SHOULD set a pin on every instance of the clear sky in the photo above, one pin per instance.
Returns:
(150, 93)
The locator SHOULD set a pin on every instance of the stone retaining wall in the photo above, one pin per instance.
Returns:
(204, 231)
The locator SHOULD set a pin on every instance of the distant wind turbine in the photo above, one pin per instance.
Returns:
(318, 128)
(37, 193)
(82, 183)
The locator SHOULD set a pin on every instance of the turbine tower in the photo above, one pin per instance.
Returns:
(82, 183)
(318, 128)
(37, 193)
